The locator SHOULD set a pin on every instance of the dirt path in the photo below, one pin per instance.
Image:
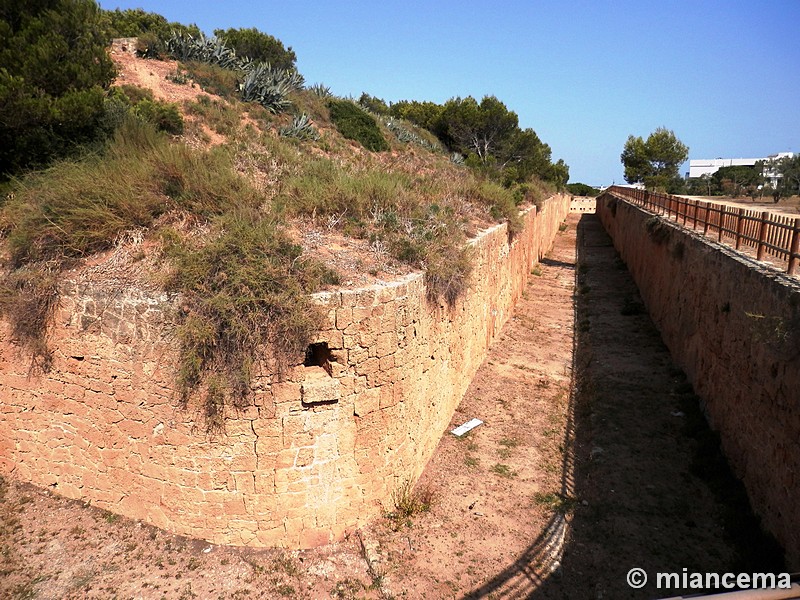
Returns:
(494, 525)
(654, 490)
(570, 482)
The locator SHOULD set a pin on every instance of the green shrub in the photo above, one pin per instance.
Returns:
(51, 86)
(149, 45)
(373, 104)
(135, 94)
(355, 124)
(136, 22)
(164, 116)
(581, 189)
(258, 46)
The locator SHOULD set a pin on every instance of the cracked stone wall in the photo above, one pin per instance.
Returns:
(733, 326)
(316, 455)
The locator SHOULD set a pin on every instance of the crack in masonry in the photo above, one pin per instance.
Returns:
(255, 445)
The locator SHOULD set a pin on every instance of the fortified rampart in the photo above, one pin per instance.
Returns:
(733, 325)
(317, 453)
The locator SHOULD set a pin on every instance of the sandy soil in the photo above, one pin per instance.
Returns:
(593, 458)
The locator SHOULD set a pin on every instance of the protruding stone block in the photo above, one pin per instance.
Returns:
(319, 387)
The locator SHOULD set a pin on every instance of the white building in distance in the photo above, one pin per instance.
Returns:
(709, 166)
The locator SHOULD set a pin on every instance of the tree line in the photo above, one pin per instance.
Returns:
(654, 163)
(55, 77)
(485, 134)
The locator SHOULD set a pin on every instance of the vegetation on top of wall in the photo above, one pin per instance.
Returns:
(245, 290)
(242, 286)
(214, 214)
(356, 124)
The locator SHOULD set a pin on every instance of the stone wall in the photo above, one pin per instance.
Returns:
(582, 204)
(733, 325)
(316, 454)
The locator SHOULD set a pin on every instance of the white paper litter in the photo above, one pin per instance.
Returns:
(469, 425)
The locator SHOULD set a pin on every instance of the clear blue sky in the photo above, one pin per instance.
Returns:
(724, 76)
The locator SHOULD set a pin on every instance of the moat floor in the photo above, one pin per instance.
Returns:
(594, 457)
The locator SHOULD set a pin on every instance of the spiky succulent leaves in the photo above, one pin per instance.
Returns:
(301, 128)
(323, 91)
(269, 86)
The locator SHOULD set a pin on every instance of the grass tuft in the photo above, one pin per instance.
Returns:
(28, 298)
(245, 290)
(408, 502)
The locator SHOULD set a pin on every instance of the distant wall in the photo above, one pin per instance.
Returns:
(582, 204)
(315, 456)
(734, 328)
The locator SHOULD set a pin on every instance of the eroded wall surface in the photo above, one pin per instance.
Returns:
(316, 454)
(734, 327)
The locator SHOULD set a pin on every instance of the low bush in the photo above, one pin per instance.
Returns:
(244, 290)
(28, 297)
(500, 201)
(78, 208)
(355, 124)
(149, 45)
(164, 116)
(212, 78)
(408, 502)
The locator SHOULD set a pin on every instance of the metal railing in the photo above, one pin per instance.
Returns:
(765, 232)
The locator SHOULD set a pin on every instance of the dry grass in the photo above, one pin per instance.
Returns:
(244, 283)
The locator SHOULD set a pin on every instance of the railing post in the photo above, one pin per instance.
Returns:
(695, 204)
(739, 225)
(794, 248)
(705, 218)
(762, 235)
(722, 213)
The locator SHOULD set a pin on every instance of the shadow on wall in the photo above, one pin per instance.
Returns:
(644, 483)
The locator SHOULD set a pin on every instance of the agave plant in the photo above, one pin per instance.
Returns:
(323, 91)
(456, 158)
(271, 93)
(269, 86)
(301, 128)
(210, 50)
(406, 135)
